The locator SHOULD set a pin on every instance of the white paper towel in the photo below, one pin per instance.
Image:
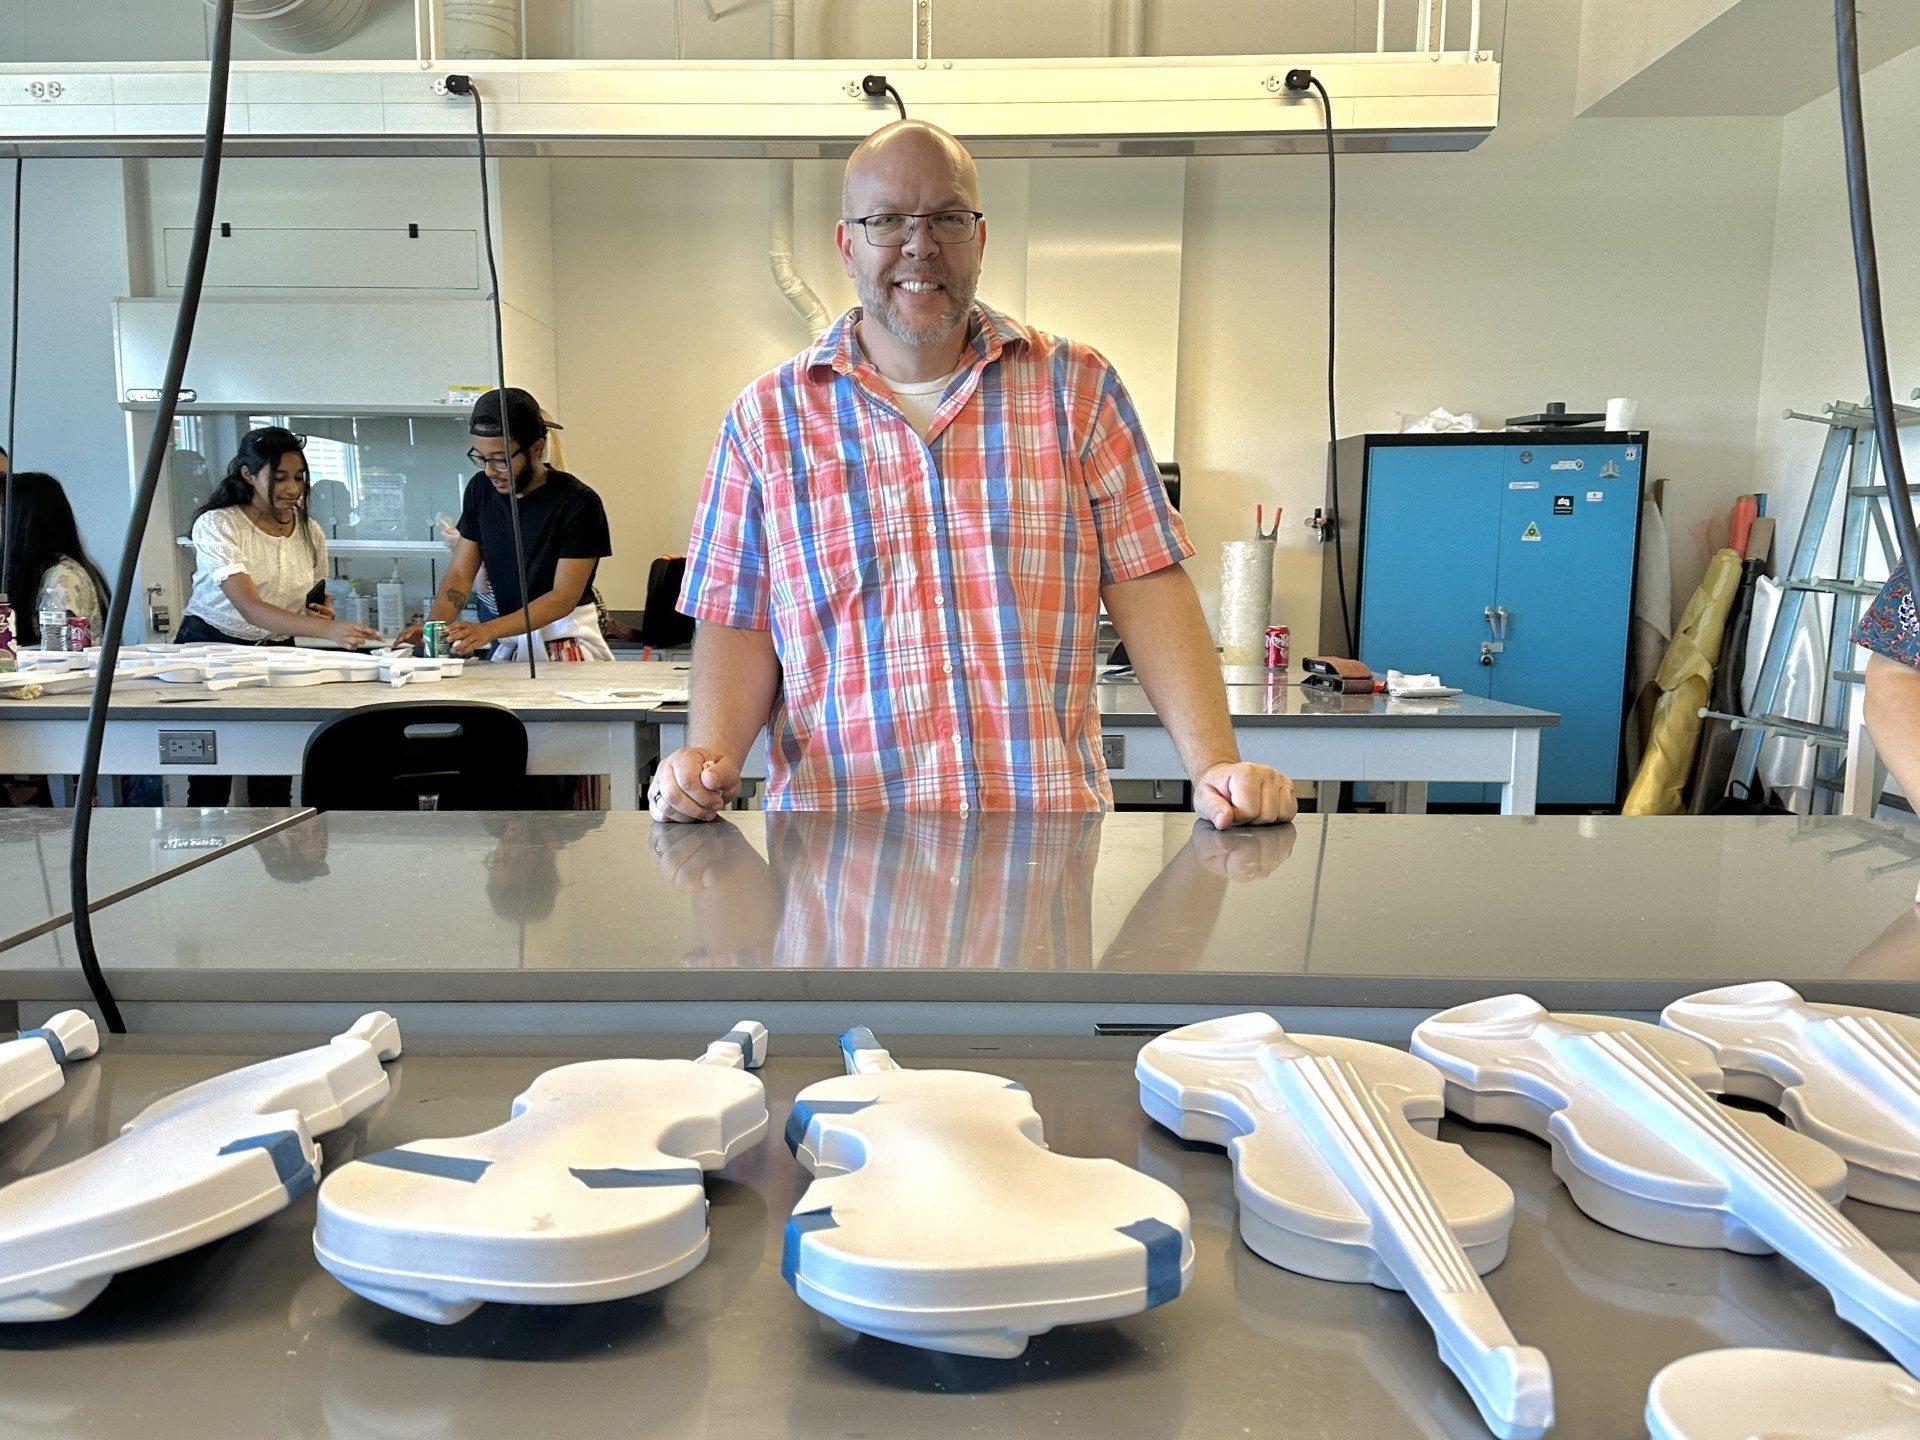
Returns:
(1246, 600)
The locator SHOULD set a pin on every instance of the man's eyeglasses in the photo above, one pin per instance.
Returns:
(948, 227)
(495, 462)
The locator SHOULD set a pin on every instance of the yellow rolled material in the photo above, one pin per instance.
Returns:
(1685, 679)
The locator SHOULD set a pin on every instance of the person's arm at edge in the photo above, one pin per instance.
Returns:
(1160, 621)
(736, 678)
(1892, 714)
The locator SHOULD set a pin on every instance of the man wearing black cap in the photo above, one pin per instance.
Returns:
(562, 524)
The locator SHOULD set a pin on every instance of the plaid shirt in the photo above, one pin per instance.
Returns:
(932, 604)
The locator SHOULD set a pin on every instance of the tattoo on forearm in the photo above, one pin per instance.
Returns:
(456, 597)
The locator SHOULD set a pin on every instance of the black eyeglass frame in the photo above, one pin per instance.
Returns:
(928, 215)
(489, 462)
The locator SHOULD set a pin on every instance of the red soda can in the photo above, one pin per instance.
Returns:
(1279, 647)
(80, 634)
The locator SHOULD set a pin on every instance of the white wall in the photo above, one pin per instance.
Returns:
(1814, 352)
(73, 265)
(1563, 259)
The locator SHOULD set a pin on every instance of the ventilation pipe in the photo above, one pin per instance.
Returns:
(301, 27)
(483, 29)
(1129, 27)
(780, 201)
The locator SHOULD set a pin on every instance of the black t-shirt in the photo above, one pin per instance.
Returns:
(562, 520)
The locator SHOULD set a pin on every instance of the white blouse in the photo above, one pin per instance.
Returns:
(227, 543)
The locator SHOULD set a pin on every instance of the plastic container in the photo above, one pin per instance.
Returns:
(391, 610)
(592, 1190)
(1644, 1147)
(1847, 1076)
(1781, 1395)
(938, 1218)
(1339, 1176)
(192, 1167)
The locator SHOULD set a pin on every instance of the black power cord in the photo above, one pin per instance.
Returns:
(876, 87)
(463, 85)
(158, 446)
(1866, 265)
(13, 398)
(1300, 81)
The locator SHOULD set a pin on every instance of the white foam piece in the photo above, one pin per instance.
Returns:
(1781, 1395)
(592, 1190)
(1644, 1147)
(197, 1165)
(1339, 1176)
(34, 1064)
(938, 1218)
(1846, 1075)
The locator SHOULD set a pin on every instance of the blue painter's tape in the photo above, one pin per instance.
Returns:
(1163, 1245)
(744, 1039)
(614, 1178)
(805, 1110)
(1016, 1085)
(857, 1039)
(288, 1156)
(790, 1243)
(53, 1043)
(419, 1162)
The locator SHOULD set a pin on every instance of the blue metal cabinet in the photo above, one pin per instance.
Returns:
(1505, 563)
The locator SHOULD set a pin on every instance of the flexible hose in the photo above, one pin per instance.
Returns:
(1866, 265)
(467, 87)
(158, 445)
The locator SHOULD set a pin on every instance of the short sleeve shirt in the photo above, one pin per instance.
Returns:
(283, 569)
(1889, 627)
(932, 602)
(562, 520)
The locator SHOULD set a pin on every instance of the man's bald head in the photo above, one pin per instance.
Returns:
(909, 154)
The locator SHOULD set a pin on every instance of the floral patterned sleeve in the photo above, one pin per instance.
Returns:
(1889, 627)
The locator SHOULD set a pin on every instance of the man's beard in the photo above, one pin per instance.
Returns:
(876, 302)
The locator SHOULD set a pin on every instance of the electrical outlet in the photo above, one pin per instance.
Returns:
(1113, 750)
(188, 747)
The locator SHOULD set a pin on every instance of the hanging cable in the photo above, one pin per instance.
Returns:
(875, 87)
(1300, 81)
(158, 446)
(463, 85)
(1866, 265)
(13, 393)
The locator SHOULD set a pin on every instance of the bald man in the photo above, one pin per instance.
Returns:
(905, 536)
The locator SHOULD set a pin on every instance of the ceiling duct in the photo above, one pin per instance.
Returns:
(302, 27)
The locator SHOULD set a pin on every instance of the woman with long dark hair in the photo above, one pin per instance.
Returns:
(49, 566)
(259, 563)
(258, 555)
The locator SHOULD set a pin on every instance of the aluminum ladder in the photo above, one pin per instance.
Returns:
(1847, 474)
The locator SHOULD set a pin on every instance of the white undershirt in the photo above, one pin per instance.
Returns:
(919, 400)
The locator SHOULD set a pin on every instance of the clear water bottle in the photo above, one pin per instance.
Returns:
(53, 627)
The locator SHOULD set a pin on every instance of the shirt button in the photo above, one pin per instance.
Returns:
(947, 667)
(964, 807)
(932, 529)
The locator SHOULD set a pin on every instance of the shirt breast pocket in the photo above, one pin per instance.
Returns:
(825, 540)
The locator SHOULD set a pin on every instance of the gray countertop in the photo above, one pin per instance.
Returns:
(148, 699)
(130, 849)
(248, 1338)
(1250, 699)
(1362, 910)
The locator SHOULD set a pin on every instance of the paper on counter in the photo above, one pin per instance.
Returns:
(1417, 687)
